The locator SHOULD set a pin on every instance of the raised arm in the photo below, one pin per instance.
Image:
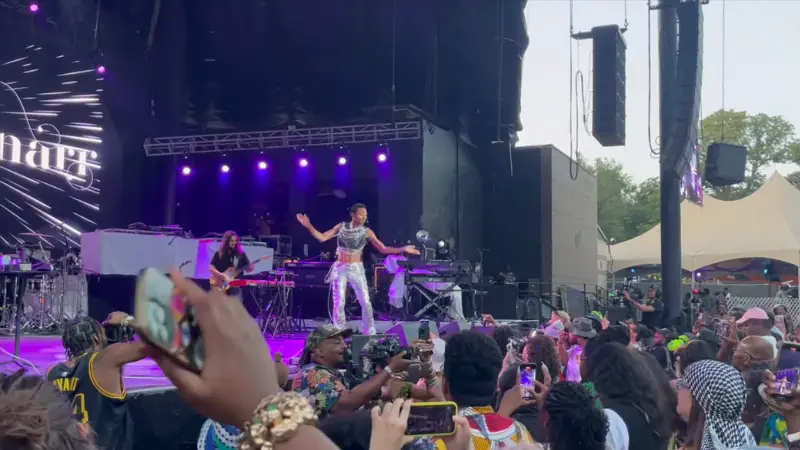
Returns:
(379, 246)
(322, 237)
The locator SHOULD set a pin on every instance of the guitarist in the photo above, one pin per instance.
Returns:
(228, 260)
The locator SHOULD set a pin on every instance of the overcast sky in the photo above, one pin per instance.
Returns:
(762, 69)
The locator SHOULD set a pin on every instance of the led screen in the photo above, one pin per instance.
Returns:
(51, 154)
(692, 183)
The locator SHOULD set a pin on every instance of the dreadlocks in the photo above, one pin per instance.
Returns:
(34, 415)
(574, 422)
(80, 335)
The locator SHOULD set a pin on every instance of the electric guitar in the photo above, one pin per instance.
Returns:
(221, 284)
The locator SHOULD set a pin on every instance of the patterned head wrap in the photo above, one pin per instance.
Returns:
(720, 391)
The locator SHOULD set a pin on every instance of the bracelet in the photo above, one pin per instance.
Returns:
(276, 420)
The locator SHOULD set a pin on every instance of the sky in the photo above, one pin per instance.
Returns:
(762, 67)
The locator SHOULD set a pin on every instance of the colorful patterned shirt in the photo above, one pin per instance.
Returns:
(321, 385)
(489, 431)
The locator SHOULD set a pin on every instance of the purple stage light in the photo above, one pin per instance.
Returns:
(34, 8)
(262, 165)
(303, 162)
(342, 160)
(101, 69)
(382, 157)
(186, 170)
(225, 168)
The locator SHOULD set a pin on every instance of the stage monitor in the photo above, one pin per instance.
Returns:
(50, 143)
(692, 181)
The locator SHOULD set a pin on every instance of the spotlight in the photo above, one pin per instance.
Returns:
(342, 160)
(225, 168)
(34, 8)
(186, 170)
(101, 69)
(303, 162)
(442, 250)
(382, 157)
(262, 165)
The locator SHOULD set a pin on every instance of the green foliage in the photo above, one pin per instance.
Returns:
(626, 209)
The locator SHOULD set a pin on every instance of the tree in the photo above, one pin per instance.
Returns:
(644, 211)
(614, 189)
(769, 140)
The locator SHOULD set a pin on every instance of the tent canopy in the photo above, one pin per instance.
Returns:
(765, 224)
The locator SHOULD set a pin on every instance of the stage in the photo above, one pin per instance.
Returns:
(46, 351)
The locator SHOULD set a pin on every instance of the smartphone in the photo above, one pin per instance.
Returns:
(789, 356)
(527, 375)
(431, 419)
(166, 322)
(786, 382)
(424, 332)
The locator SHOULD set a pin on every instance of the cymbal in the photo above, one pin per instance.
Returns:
(38, 235)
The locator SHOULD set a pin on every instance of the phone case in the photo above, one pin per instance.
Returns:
(451, 405)
(165, 321)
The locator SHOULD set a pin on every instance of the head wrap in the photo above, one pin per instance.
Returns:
(720, 391)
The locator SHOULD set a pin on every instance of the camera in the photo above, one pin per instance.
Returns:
(516, 345)
(380, 352)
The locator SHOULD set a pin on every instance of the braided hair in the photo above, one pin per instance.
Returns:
(81, 335)
(574, 423)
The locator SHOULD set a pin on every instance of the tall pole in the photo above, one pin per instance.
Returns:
(670, 181)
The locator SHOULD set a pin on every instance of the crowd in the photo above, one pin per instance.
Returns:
(597, 385)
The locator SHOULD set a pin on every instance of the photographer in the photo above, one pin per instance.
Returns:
(377, 354)
(324, 386)
(651, 309)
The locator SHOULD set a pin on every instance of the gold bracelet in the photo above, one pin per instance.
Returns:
(276, 420)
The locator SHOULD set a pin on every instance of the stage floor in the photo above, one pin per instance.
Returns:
(46, 351)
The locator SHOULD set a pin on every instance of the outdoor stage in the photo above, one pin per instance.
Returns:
(45, 351)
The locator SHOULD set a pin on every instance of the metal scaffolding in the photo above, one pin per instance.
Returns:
(288, 138)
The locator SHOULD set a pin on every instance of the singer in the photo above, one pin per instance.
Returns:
(351, 238)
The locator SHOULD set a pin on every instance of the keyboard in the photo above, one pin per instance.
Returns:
(261, 283)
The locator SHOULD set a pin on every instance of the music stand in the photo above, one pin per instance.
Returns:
(19, 278)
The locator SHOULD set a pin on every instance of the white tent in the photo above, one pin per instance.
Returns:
(765, 224)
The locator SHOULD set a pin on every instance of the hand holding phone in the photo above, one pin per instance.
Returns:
(786, 382)
(165, 321)
(527, 375)
(431, 419)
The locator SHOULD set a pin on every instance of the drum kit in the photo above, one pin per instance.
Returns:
(53, 291)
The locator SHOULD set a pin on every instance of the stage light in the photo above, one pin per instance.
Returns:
(342, 160)
(34, 8)
(262, 165)
(442, 249)
(186, 170)
(382, 157)
(101, 69)
(303, 162)
(225, 168)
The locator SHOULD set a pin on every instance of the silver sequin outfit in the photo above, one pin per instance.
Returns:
(351, 241)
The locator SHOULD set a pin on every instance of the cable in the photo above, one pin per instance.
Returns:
(722, 131)
(574, 141)
(23, 360)
(654, 152)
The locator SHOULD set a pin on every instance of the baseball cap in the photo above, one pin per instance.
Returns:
(583, 327)
(754, 314)
(324, 332)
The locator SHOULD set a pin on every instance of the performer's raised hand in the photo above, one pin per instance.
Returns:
(303, 219)
(411, 250)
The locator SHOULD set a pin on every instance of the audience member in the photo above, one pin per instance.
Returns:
(580, 331)
(711, 398)
(628, 388)
(572, 422)
(756, 322)
(34, 416)
(472, 364)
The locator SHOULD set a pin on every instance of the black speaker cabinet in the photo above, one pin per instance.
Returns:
(608, 97)
(725, 164)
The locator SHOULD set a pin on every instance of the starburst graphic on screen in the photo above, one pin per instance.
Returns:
(50, 147)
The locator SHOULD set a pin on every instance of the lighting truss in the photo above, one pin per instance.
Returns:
(300, 137)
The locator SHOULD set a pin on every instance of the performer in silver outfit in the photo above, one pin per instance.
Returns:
(351, 238)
